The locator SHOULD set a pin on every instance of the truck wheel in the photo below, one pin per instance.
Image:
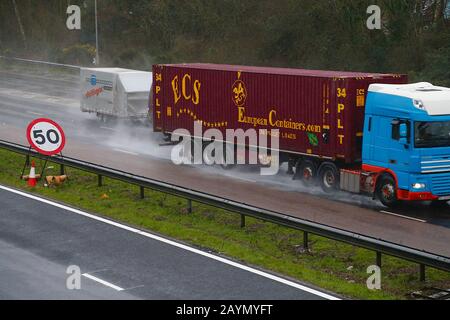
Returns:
(329, 177)
(104, 118)
(208, 159)
(387, 191)
(225, 165)
(440, 203)
(307, 172)
(183, 154)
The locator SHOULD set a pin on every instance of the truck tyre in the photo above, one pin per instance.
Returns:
(440, 203)
(183, 154)
(103, 118)
(209, 159)
(306, 172)
(387, 191)
(329, 177)
(228, 166)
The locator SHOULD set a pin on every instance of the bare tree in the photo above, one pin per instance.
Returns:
(19, 22)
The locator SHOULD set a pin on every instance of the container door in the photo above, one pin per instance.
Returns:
(158, 124)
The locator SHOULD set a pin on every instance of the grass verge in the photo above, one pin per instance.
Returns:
(331, 265)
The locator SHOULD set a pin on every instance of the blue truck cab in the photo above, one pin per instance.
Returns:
(406, 143)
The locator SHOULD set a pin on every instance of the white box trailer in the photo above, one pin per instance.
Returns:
(115, 92)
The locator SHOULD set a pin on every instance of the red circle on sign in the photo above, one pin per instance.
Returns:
(39, 149)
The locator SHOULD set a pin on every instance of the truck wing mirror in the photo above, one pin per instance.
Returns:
(404, 135)
(403, 131)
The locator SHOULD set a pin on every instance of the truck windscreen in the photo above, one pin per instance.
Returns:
(432, 134)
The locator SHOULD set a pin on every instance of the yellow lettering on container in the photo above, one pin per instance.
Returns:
(241, 114)
(272, 115)
(342, 93)
(196, 98)
(176, 90)
(183, 86)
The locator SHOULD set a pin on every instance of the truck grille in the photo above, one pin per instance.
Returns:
(436, 166)
(441, 184)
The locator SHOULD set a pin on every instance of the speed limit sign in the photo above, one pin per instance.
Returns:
(46, 137)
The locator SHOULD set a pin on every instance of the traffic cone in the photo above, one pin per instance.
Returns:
(32, 178)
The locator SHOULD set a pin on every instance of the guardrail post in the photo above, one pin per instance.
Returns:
(379, 259)
(422, 276)
(306, 241)
(100, 180)
(62, 170)
(242, 221)
(142, 193)
(189, 206)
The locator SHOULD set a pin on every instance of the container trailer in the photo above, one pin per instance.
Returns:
(364, 133)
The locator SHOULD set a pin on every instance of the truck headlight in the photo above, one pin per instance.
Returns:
(418, 186)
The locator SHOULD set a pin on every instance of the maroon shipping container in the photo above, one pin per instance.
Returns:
(318, 113)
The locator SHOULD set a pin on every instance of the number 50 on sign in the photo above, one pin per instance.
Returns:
(46, 137)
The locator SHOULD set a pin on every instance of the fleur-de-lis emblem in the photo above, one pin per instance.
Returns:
(239, 93)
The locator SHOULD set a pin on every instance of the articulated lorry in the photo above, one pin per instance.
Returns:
(366, 133)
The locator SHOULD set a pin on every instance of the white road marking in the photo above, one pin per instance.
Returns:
(105, 283)
(35, 113)
(243, 179)
(175, 244)
(106, 128)
(134, 288)
(127, 152)
(405, 217)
